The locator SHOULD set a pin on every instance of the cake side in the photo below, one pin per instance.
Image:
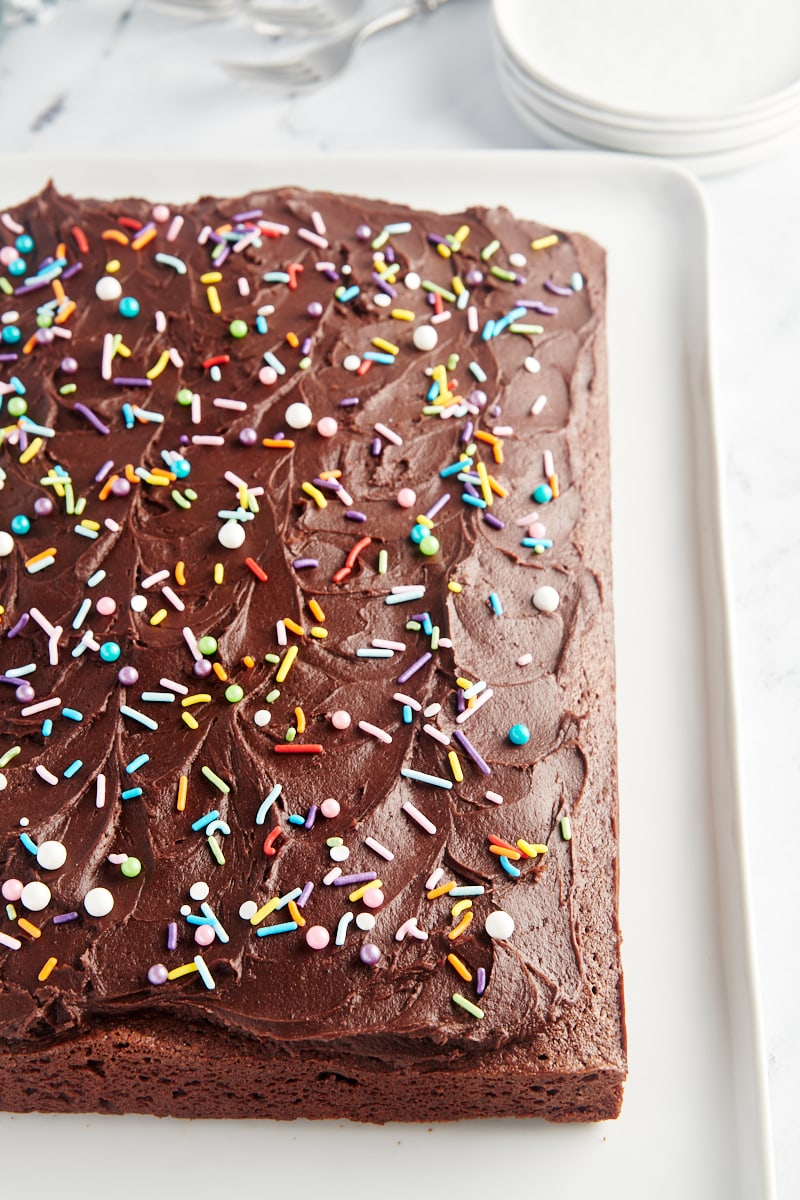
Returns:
(249, 312)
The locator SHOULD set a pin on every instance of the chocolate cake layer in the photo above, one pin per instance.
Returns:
(306, 579)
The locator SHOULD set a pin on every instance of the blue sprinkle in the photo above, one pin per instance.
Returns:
(73, 768)
(488, 331)
(475, 890)
(267, 803)
(128, 417)
(454, 468)
(296, 819)
(47, 727)
(496, 603)
(545, 543)
(201, 822)
(261, 325)
(137, 762)
(132, 793)
(376, 356)
(344, 294)
(408, 715)
(475, 501)
(28, 843)
(287, 927)
(433, 391)
(72, 714)
(509, 867)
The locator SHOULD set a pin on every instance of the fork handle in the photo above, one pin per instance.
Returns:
(397, 16)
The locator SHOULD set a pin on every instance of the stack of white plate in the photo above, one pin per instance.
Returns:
(714, 84)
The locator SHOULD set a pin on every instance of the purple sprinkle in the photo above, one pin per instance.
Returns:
(555, 289)
(130, 381)
(332, 485)
(467, 431)
(461, 703)
(73, 269)
(311, 816)
(33, 286)
(172, 935)
(20, 625)
(495, 410)
(225, 253)
(389, 254)
(332, 275)
(474, 277)
(369, 954)
(363, 232)
(302, 899)
(353, 514)
(415, 666)
(8, 358)
(346, 880)
(215, 237)
(202, 668)
(480, 982)
(464, 741)
(300, 564)
(539, 307)
(349, 401)
(493, 521)
(12, 679)
(381, 283)
(420, 616)
(438, 506)
(106, 467)
(91, 418)
(377, 446)
(305, 346)
(471, 490)
(252, 214)
(435, 240)
(23, 440)
(62, 918)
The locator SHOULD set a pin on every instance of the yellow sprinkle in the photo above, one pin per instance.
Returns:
(183, 788)
(443, 250)
(214, 302)
(484, 481)
(31, 562)
(143, 238)
(158, 617)
(295, 914)
(317, 631)
(359, 892)
(161, 476)
(461, 234)
(263, 912)
(219, 573)
(248, 661)
(113, 266)
(186, 969)
(440, 375)
(543, 243)
(87, 524)
(460, 906)
(292, 339)
(455, 766)
(426, 521)
(460, 966)
(463, 683)
(457, 285)
(47, 969)
(453, 586)
(211, 277)
(122, 350)
(293, 626)
(300, 720)
(553, 481)
(31, 451)
(156, 370)
(403, 314)
(388, 347)
(180, 574)
(335, 474)
(315, 494)
(33, 930)
(189, 720)
(442, 890)
(199, 698)
(220, 672)
(463, 924)
(286, 664)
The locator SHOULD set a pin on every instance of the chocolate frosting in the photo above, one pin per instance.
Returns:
(276, 986)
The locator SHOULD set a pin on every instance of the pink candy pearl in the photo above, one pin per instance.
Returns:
(11, 890)
(317, 937)
(406, 497)
(160, 214)
(106, 605)
(341, 719)
(537, 529)
(8, 254)
(268, 375)
(327, 426)
(330, 808)
(204, 935)
(373, 897)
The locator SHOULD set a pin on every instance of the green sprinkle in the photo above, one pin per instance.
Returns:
(272, 696)
(532, 329)
(439, 291)
(304, 363)
(413, 626)
(383, 562)
(501, 273)
(435, 638)
(488, 251)
(471, 450)
(291, 733)
(452, 362)
(68, 389)
(272, 658)
(212, 777)
(380, 240)
(180, 500)
(566, 829)
(190, 493)
(216, 850)
(334, 841)
(468, 1006)
(9, 754)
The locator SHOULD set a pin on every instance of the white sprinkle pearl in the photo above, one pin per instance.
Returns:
(365, 921)
(35, 896)
(499, 925)
(248, 910)
(108, 288)
(6, 543)
(299, 415)
(517, 260)
(412, 281)
(199, 890)
(339, 853)
(352, 362)
(545, 599)
(51, 855)
(533, 365)
(262, 718)
(98, 902)
(231, 535)
(138, 603)
(425, 337)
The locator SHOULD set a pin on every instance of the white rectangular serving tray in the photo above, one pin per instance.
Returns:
(695, 1121)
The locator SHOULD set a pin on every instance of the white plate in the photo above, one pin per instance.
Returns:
(688, 58)
(695, 1120)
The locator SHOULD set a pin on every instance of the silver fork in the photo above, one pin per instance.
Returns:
(304, 18)
(328, 59)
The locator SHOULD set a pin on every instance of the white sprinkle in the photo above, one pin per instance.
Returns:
(402, 698)
(472, 319)
(10, 224)
(100, 794)
(503, 431)
(445, 643)
(436, 734)
(40, 707)
(334, 873)
(476, 689)
(527, 519)
(175, 358)
(549, 466)
(318, 222)
(108, 353)
(160, 321)
(524, 660)
(469, 712)
(243, 286)
(538, 405)
(380, 734)
(433, 879)
(199, 890)
(233, 405)
(419, 817)
(381, 644)
(180, 688)
(339, 854)
(388, 433)
(191, 642)
(409, 589)
(280, 633)
(207, 439)
(52, 646)
(154, 579)
(533, 365)
(176, 225)
(379, 849)
(46, 775)
(196, 408)
(42, 621)
(10, 943)
(432, 710)
(495, 797)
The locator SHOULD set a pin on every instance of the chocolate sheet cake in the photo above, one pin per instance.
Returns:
(308, 743)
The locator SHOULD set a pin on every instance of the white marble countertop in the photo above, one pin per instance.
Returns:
(118, 76)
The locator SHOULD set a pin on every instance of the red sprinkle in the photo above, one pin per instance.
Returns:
(130, 223)
(298, 748)
(256, 569)
(293, 270)
(354, 553)
(218, 360)
(342, 574)
(365, 366)
(496, 841)
(81, 240)
(270, 838)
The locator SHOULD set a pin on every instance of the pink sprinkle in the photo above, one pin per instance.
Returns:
(12, 890)
(340, 719)
(317, 937)
(380, 734)
(419, 817)
(204, 935)
(175, 228)
(332, 876)
(495, 797)
(433, 879)
(406, 497)
(330, 807)
(106, 605)
(378, 848)
(327, 427)
(538, 406)
(373, 898)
